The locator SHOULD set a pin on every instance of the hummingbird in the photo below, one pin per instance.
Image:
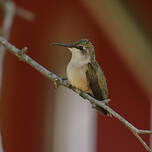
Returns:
(84, 72)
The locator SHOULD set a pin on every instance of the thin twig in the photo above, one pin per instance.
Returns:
(21, 12)
(25, 14)
(142, 142)
(58, 81)
(9, 11)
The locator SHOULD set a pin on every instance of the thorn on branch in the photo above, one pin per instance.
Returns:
(22, 52)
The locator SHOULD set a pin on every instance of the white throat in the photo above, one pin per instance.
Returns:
(78, 59)
(76, 70)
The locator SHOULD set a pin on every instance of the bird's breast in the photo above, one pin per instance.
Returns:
(77, 76)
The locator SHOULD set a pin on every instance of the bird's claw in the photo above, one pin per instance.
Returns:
(94, 105)
(81, 94)
(105, 101)
(64, 79)
(56, 83)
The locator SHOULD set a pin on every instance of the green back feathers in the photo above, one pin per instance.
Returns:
(95, 72)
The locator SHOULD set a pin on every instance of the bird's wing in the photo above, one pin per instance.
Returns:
(97, 81)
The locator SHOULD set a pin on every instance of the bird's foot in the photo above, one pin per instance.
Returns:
(56, 83)
(81, 94)
(106, 101)
(64, 79)
(94, 106)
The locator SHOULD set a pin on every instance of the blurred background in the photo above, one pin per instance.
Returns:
(36, 117)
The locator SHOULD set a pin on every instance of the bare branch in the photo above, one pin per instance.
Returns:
(11, 8)
(59, 81)
(144, 131)
(9, 11)
(142, 142)
(25, 14)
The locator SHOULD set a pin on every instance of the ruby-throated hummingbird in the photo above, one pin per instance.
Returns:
(84, 72)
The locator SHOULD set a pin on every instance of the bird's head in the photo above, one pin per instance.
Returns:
(81, 49)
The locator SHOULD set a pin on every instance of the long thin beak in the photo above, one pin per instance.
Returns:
(64, 45)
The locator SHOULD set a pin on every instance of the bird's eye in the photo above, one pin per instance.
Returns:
(81, 47)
